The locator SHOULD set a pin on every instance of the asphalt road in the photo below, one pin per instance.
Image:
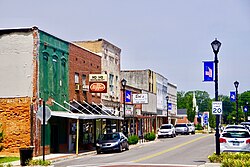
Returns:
(191, 150)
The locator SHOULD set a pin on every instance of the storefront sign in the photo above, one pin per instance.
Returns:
(98, 87)
(98, 78)
(140, 98)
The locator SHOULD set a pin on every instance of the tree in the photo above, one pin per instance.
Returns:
(181, 99)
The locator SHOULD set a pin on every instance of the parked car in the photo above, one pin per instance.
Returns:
(166, 130)
(181, 128)
(229, 127)
(235, 140)
(116, 141)
(246, 124)
(191, 128)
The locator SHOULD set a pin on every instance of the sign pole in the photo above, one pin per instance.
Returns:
(43, 130)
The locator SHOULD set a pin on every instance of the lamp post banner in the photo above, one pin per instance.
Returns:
(208, 71)
(232, 96)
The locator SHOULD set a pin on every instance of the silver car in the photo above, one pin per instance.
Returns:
(181, 128)
(235, 140)
(166, 130)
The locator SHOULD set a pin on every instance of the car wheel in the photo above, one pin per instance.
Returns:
(120, 148)
(98, 152)
(127, 147)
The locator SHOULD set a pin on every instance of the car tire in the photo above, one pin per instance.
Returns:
(98, 152)
(127, 147)
(120, 148)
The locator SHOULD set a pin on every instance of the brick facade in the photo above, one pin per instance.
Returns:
(82, 62)
(15, 120)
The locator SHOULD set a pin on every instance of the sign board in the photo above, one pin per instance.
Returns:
(217, 107)
(205, 118)
(208, 70)
(98, 77)
(232, 96)
(98, 83)
(170, 106)
(98, 87)
(128, 96)
(39, 114)
(140, 98)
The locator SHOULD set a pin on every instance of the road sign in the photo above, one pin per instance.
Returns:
(39, 114)
(217, 107)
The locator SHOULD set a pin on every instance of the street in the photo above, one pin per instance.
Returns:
(190, 150)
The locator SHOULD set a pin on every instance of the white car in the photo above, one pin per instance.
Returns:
(235, 140)
(166, 130)
(229, 127)
(191, 128)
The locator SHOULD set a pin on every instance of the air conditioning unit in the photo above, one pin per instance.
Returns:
(85, 88)
(77, 86)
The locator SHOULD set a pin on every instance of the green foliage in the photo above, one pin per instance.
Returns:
(7, 165)
(198, 127)
(8, 159)
(39, 162)
(150, 136)
(231, 159)
(133, 139)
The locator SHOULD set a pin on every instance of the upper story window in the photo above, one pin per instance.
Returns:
(111, 82)
(83, 79)
(111, 59)
(76, 77)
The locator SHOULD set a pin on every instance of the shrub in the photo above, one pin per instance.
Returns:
(199, 127)
(39, 162)
(150, 136)
(133, 139)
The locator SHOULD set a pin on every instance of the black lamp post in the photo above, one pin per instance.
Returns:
(167, 98)
(246, 111)
(124, 82)
(216, 47)
(236, 84)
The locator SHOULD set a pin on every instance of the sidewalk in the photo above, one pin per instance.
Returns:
(64, 156)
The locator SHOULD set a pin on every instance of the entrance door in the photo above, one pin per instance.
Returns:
(54, 148)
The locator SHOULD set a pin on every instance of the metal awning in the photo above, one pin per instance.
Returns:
(71, 115)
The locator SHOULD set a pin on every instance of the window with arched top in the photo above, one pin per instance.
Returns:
(45, 75)
(55, 77)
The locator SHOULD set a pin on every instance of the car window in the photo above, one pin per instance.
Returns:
(109, 136)
(165, 127)
(180, 125)
(236, 134)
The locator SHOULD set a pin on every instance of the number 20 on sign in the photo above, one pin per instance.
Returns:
(217, 107)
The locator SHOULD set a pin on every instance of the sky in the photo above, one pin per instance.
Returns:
(172, 38)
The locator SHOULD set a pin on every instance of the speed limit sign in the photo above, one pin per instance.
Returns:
(217, 107)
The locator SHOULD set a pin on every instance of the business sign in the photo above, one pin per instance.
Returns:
(217, 107)
(232, 96)
(140, 98)
(208, 71)
(98, 77)
(128, 96)
(98, 83)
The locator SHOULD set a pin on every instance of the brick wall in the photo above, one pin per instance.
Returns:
(82, 62)
(15, 120)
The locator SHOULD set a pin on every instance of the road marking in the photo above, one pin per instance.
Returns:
(170, 149)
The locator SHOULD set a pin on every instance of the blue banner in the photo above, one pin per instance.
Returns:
(169, 106)
(208, 71)
(128, 96)
(232, 96)
(245, 109)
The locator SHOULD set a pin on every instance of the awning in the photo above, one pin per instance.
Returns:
(66, 114)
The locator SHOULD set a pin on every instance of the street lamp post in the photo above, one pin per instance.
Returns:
(246, 111)
(216, 47)
(236, 84)
(167, 98)
(124, 82)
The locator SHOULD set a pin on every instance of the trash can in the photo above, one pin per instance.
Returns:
(26, 154)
